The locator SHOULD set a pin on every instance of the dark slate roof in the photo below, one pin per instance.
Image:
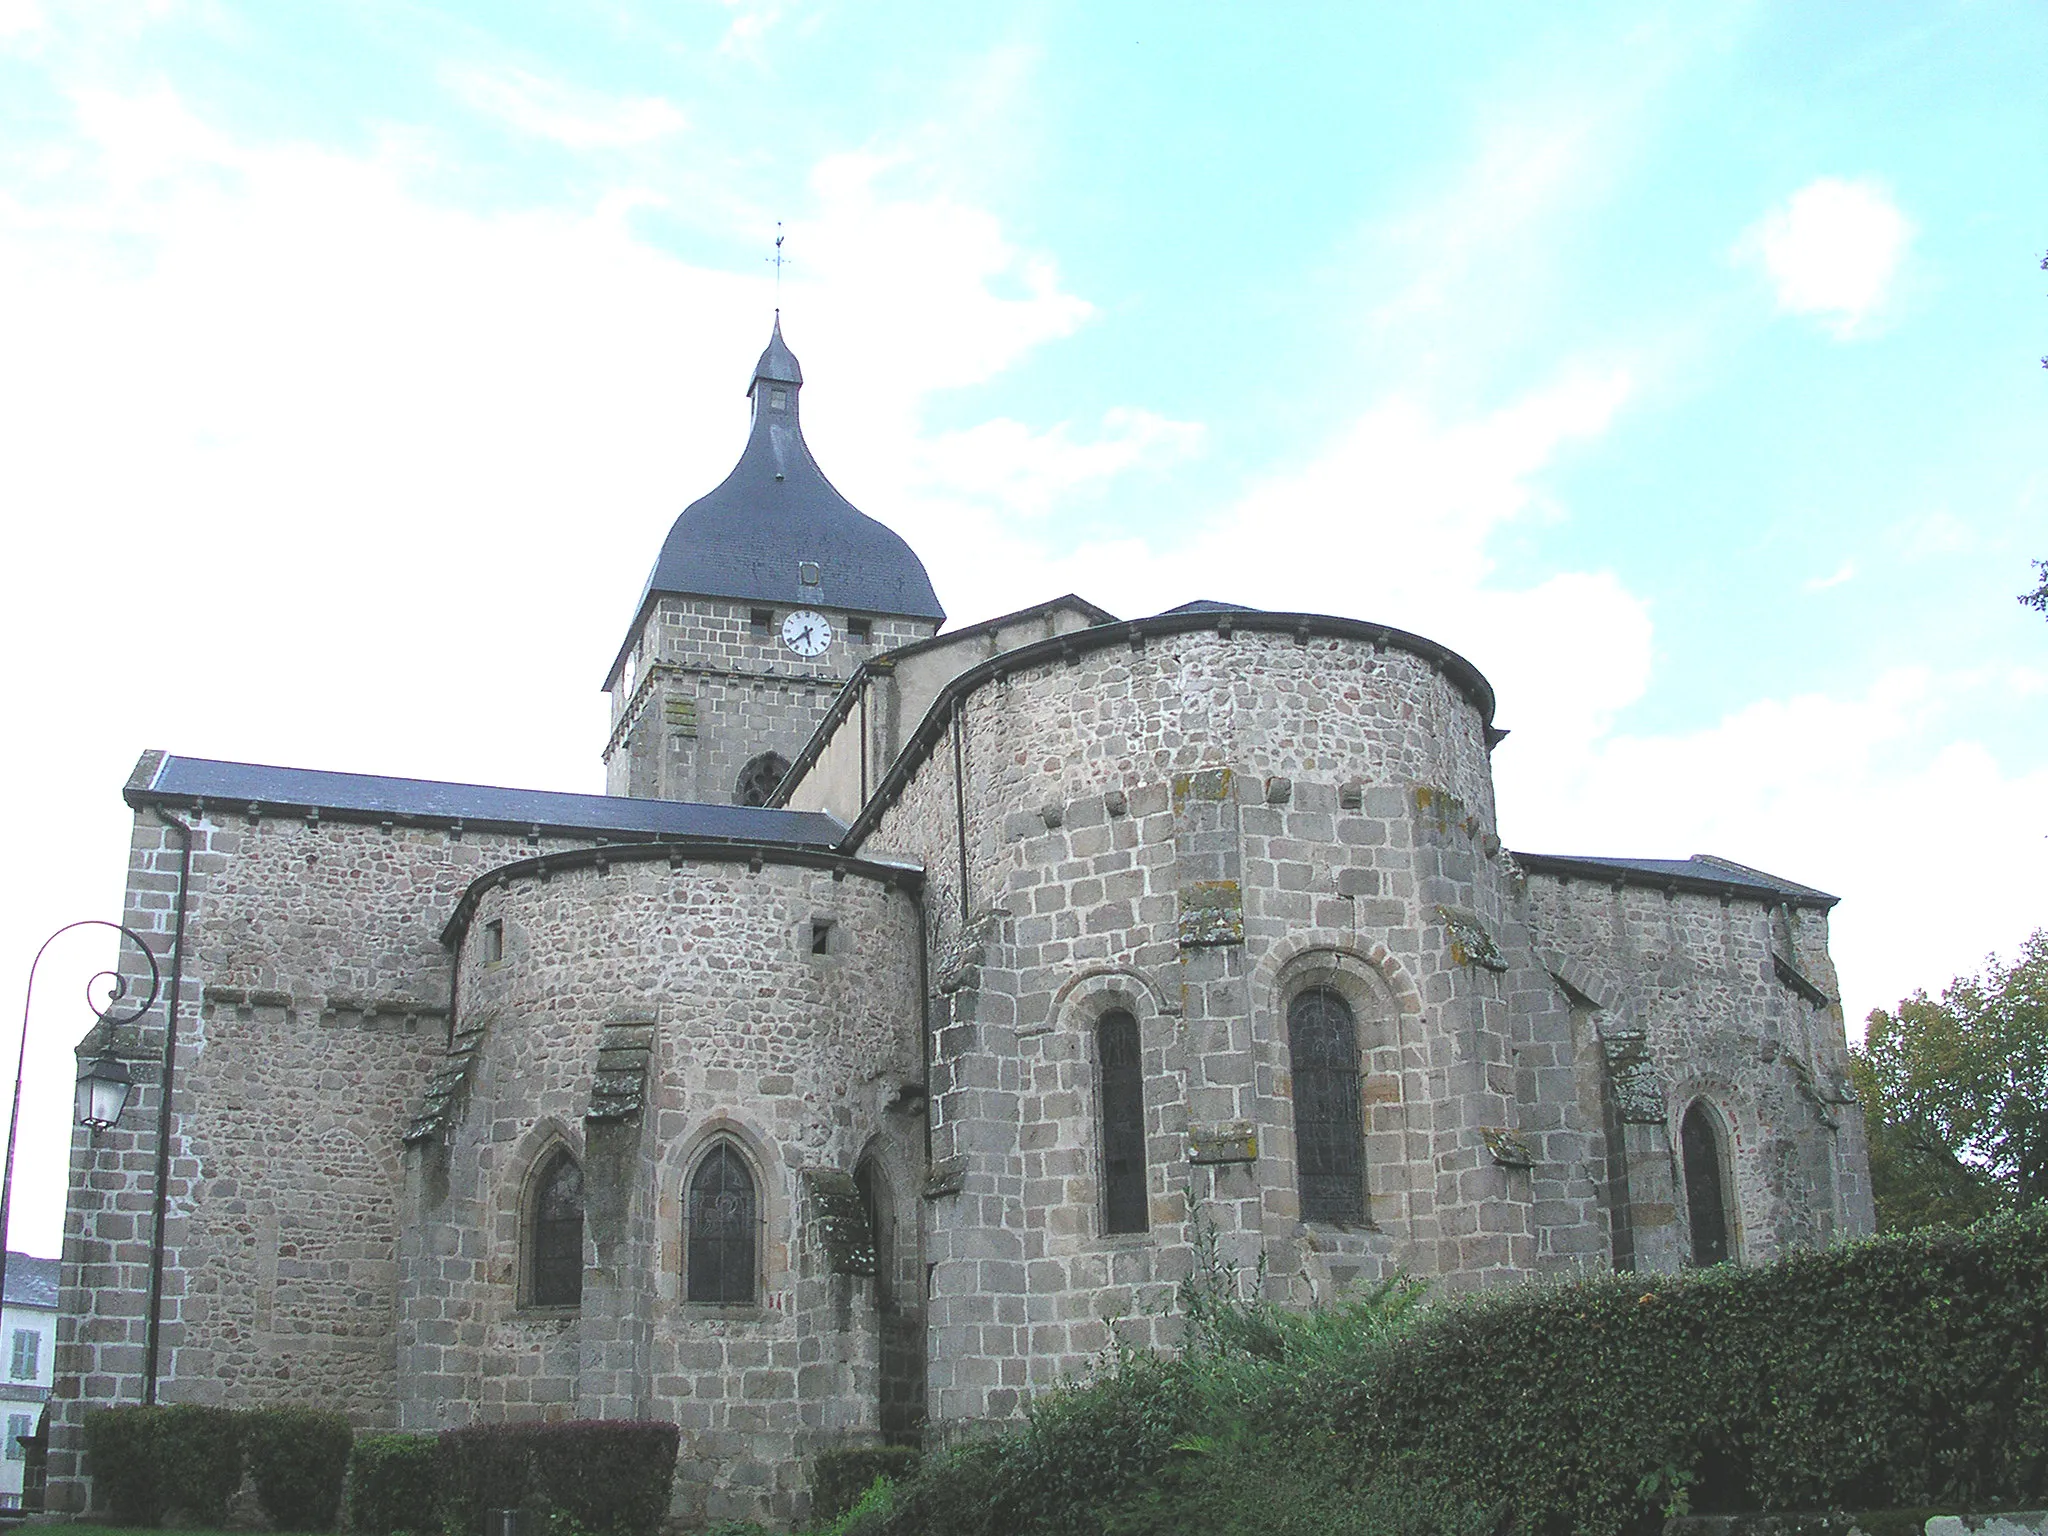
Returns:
(162, 779)
(1702, 872)
(1211, 605)
(31, 1282)
(777, 510)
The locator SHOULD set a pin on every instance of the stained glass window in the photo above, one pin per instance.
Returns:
(1123, 1123)
(557, 1234)
(1705, 1200)
(1329, 1130)
(721, 1228)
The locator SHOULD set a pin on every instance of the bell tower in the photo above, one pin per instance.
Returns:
(766, 595)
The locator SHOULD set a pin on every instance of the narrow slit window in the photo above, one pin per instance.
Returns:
(1706, 1200)
(721, 1229)
(1329, 1129)
(494, 941)
(821, 936)
(1123, 1123)
(556, 1235)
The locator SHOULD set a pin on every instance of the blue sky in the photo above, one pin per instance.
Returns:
(1677, 364)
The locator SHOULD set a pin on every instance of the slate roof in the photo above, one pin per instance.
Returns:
(162, 779)
(31, 1282)
(776, 509)
(1211, 605)
(1703, 872)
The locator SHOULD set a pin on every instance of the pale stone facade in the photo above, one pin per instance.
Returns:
(878, 1010)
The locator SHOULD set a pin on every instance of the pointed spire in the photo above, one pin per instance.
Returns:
(778, 364)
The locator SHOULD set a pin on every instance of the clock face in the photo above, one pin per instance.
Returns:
(807, 633)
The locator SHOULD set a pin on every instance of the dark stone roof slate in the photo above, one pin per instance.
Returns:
(1212, 605)
(1701, 872)
(775, 511)
(371, 797)
(31, 1282)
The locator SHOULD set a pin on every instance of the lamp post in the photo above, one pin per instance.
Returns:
(104, 1085)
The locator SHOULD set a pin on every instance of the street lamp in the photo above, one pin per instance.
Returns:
(104, 1085)
(103, 1089)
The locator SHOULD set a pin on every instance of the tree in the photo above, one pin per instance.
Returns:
(1956, 1095)
(2038, 598)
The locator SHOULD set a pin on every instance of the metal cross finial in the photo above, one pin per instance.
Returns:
(778, 258)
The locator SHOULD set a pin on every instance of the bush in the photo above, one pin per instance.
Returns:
(199, 1452)
(121, 1454)
(1907, 1370)
(609, 1477)
(479, 1468)
(839, 1478)
(391, 1484)
(297, 1458)
(1902, 1371)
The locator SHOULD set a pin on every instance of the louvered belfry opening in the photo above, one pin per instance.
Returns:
(1705, 1200)
(1329, 1131)
(721, 1223)
(556, 1279)
(1123, 1123)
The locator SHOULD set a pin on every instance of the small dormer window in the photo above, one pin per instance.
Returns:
(778, 399)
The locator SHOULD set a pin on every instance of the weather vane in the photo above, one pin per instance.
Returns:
(778, 258)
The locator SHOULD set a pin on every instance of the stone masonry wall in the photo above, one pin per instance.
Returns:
(796, 1056)
(1685, 996)
(704, 692)
(314, 996)
(1196, 830)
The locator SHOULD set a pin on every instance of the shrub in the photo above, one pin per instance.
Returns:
(478, 1468)
(1906, 1370)
(121, 1454)
(199, 1451)
(391, 1484)
(1902, 1371)
(609, 1477)
(840, 1478)
(297, 1458)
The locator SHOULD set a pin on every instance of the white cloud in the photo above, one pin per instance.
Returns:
(1019, 470)
(21, 18)
(1843, 573)
(1832, 250)
(578, 119)
(1881, 798)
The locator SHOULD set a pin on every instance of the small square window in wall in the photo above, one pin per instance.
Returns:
(821, 936)
(860, 631)
(778, 399)
(761, 620)
(494, 941)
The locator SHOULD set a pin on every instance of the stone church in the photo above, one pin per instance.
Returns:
(862, 1061)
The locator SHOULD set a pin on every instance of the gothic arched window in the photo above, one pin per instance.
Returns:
(1123, 1123)
(1329, 1131)
(720, 1228)
(1706, 1201)
(554, 1276)
(758, 779)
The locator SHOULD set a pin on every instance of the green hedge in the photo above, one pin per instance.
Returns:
(297, 1459)
(839, 1478)
(1907, 1370)
(391, 1484)
(147, 1462)
(127, 1469)
(1902, 1371)
(607, 1477)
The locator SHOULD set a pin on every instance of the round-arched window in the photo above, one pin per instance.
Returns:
(758, 779)
(1329, 1128)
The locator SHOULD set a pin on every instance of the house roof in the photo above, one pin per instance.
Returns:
(31, 1282)
(1702, 873)
(162, 779)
